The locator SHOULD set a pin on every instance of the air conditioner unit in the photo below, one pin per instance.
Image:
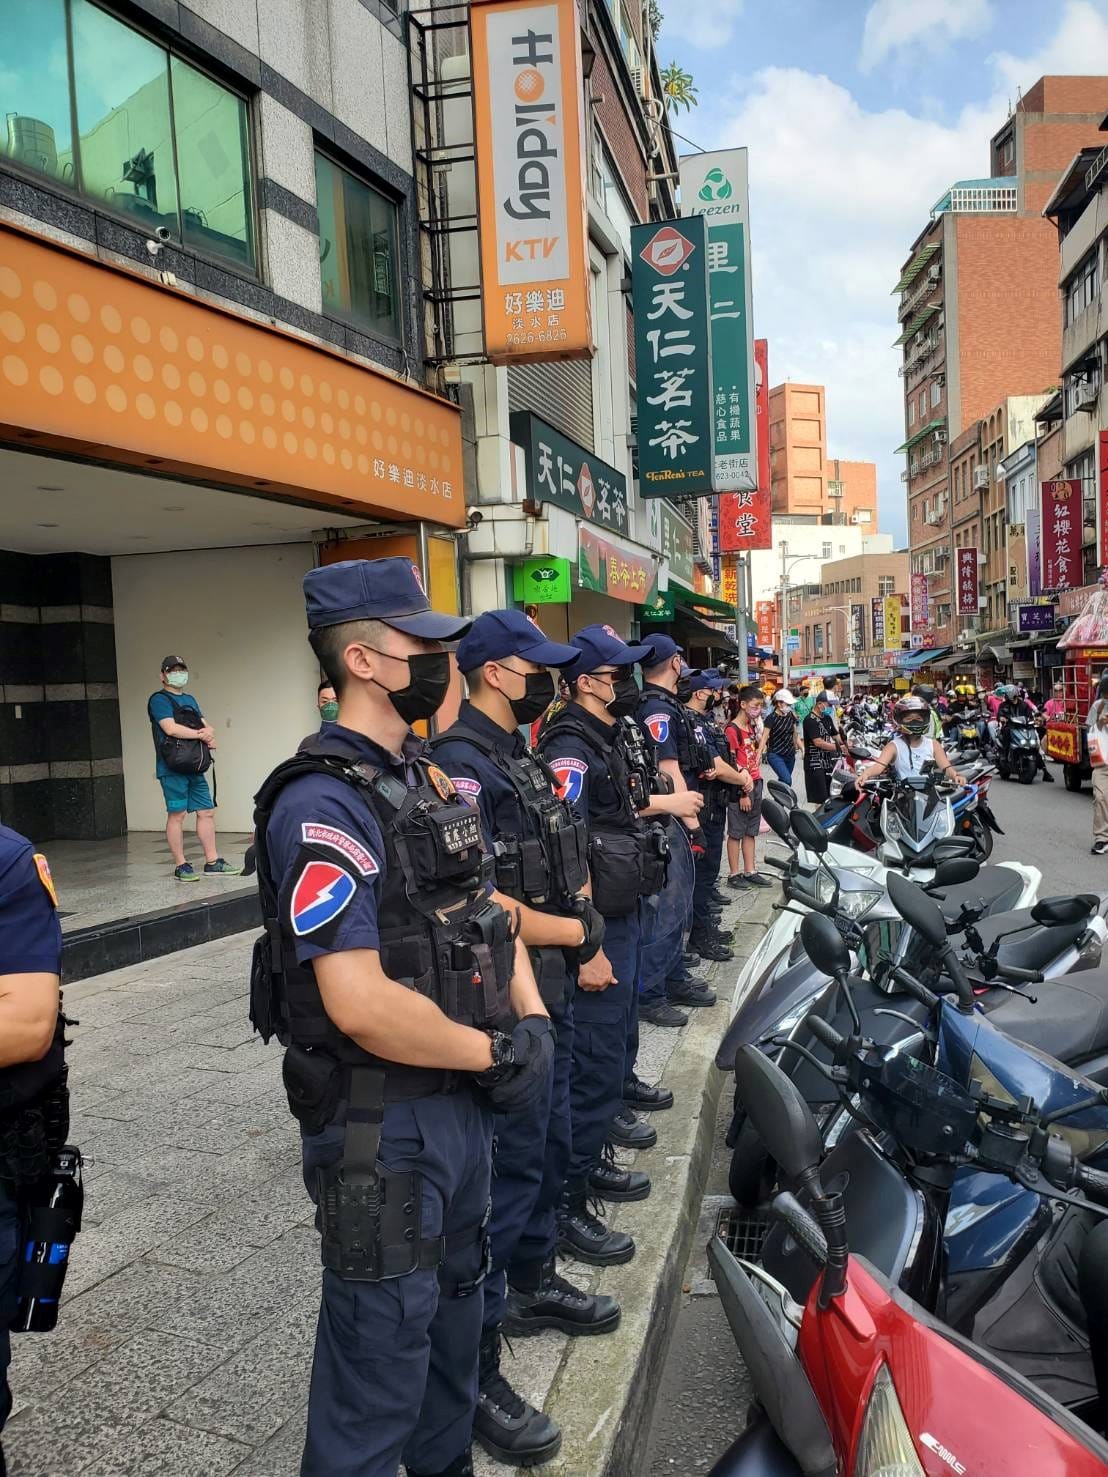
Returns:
(1086, 396)
(934, 272)
(637, 77)
(918, 338)
(940, 436)
(980, 478)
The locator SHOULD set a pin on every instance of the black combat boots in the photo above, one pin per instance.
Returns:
(506, 1426)
(583, 1236)
(538, 1298)
(610, 1181)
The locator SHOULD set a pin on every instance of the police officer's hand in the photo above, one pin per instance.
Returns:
(597, 973)
(592, 921)
(523, 1082)
(686, 804)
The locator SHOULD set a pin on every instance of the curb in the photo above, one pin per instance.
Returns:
(602, 1391)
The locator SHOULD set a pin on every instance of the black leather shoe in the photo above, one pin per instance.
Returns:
(630, 1132)
(712, 949)
(693, 993)
(583, 1236)
(661, 1013)
(504, 1423)
(719, 896)
(642, 1097)
(690, 959)
(556, 1303)
(610, 1181)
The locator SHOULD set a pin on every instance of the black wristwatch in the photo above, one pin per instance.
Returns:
(503, 1058)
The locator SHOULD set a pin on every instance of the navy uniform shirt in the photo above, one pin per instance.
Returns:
(326, 852)
(478, 778)
(581, 768)
(30, 934)
(655, 716)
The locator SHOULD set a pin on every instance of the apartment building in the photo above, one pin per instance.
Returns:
(852, 492)
(798, 448)
(837, 613)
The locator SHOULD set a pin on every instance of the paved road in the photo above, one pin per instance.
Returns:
(704, 1392)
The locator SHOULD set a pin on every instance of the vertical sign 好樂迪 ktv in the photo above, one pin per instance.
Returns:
(1061, 534)
(966, 580)
(528, 108)
(669, 290)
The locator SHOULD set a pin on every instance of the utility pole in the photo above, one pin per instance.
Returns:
(784, 615)
(741, 617)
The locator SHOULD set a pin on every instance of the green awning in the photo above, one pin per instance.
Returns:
(704, 605)
(916, 266)
(917, 323)
(920, 434)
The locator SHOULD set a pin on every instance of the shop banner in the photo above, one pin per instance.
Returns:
(729, 581)
(894, 606)
(965, 580)
(1035, 618)
(1033, 530)
(715, 186)
(528, 107)
(677, 544)
(745, 518)
(1102, 501)
(919, 601)
(669, 290)
(765, 615)
(542, 581)
(613, 571)
(1061, 535)
(857, 626)
(561, 472)
(877, 620)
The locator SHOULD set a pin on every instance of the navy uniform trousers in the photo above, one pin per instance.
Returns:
(707, 866)
(605, 1041)
(9, 1273)
(395, 1371)
(532, 1154)
(665, 921)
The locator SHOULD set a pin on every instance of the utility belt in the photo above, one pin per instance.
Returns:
(552, 870)
(317, 1082)
(31, 1133)
(627, 862)
(554, 974)
(370, 1217)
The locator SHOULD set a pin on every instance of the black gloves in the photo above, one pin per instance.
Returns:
(593, 923)
(522, 1082)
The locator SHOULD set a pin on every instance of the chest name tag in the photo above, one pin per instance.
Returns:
(458, 833)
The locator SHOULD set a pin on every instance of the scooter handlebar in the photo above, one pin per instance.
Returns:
(824, 1033)
(1094, 1182)
(1016, 976)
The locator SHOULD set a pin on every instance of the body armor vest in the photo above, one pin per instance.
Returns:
(543, 862)
(693, 756)
(439, 935)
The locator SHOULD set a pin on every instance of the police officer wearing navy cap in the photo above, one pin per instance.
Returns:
(34, 1114)
(721, 785)
(607, 787)
(541, 867)
(387, 972)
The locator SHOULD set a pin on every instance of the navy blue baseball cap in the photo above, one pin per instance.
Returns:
(660, 648)
(500, 633)
(707, 677)
(599, 646)
(388, 590)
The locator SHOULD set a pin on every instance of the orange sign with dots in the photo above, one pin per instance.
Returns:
(101, 362)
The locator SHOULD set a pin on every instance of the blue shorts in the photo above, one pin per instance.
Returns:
(185, 792)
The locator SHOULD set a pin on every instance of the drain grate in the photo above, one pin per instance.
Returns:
(742, 1233)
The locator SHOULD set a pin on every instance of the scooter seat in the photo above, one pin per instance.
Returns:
(1034, 949)
(1069, 1021)
(997, 886)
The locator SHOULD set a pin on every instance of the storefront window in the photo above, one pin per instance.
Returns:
(357, 250)
(156, 140)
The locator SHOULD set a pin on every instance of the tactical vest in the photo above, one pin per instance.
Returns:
(439, 933)
(693, 756)
(34, 1112)
(543, 862)
(628, 856)
(646, 774)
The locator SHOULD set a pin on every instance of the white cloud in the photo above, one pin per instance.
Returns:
(893, 25)
(703, 24)
(838, 194)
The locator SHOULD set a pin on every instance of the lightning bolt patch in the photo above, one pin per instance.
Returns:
(321, 892)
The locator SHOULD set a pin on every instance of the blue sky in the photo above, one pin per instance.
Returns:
(858, 114)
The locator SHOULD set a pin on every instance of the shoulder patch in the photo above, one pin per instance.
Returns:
(657, 725)
(42, 867)
(316, 833)
(319, 895)
(570, 775)
(465, 786)
(444, 787)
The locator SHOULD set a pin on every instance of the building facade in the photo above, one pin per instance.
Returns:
(798, 449)
(835, 616)
(852, 492)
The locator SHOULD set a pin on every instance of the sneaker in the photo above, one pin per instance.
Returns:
(630, 1132)
(694, 994)
(661, 1013)
(738, 881)
(221, 868)
(509, 1429)
(755, 879)
(610, 1181)
(1099, 848)
(553, 1302)
(583, 1236)
(186, 873)
(644, 1097)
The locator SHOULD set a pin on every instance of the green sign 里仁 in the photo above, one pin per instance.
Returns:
(669, 290)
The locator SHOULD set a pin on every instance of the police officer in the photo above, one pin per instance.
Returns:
(387, 971)
(586, 747)
(541, 867)
(33, 1099)
(723, 781)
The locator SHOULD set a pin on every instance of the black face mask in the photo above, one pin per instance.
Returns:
(710, 704)
(428, 681)
(684, 689)
(538, 694)
(626, 698)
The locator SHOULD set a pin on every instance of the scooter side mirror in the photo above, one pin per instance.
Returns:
(777, 819)
(808, 831)
(824, 945)
(779, 1115)
(957, 869)
(1053, 911)
(916, 908)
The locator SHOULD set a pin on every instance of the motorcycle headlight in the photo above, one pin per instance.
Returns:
(885, 1447)
(945, 827)
(858, 903)
(890, 824)
(825, 886)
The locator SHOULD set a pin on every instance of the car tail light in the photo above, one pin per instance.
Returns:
(885, 1447)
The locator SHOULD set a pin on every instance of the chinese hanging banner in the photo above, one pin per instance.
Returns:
(559, 471)
(1102, 501)
(1033, 527)
(765, 613)
(857, 626)
(745, 519)
(894, 605)
(669, 289)
(1061, 535)
(919, 602)
(965, 580)
(715, 186)
(531, 198)
(729, 581)
(877, 620)
(610, 570)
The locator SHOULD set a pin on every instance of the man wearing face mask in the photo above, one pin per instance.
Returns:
(608, 788)
(410, 1015)
(541, 869)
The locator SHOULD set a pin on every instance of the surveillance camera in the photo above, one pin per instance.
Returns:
(162, 233)
(475, 519)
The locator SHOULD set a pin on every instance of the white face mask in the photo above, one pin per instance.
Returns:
(177, 679)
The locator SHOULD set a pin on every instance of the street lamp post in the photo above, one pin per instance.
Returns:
(787, 563)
